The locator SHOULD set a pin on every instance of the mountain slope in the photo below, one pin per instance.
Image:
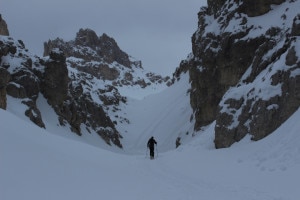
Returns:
(244, 67)
(243, 74)
(39, 165)
(165, 115)
(86, 81)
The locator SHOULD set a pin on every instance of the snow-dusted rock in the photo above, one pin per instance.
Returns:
(244, 68)
(80, 79)
(3, 27)
(4, 78)
(102, 58)
(25, 76)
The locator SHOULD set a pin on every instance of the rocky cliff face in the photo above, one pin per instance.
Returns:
(244, 67)
(79, 79)
(88, 46)
(102, 58)
(97, 69)
(26, 77)
(3, 27)
(4, 75)
(18, 78)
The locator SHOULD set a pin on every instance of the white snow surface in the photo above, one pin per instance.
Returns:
(165, 115)
(41, 164)
(56, 164)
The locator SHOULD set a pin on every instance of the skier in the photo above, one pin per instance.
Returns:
(150, 145)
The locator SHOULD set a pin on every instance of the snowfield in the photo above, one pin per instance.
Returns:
(36, 164)
(56, 164)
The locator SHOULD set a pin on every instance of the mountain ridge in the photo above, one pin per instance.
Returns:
(81, 82)
(243, 76)
(235, 49)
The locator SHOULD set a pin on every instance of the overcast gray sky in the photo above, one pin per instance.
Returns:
(157, 32)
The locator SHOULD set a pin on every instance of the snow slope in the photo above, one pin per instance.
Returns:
(165, 115)
(55, 164)
(35, 164)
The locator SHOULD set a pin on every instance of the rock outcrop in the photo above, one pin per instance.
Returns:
(18, 78)
(3, 27)
(55, 78)
(99, 60)
(79, 79)
(90, 47)
(4, 75)
(26, 77)
(4, 79)
(257, 7)
(244, 72)
(102, 57)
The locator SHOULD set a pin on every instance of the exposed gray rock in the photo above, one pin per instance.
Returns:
(90, 47)
(3, 27)
(291, 57)
(33, 113)
(218, 68)
(257, 7)
(27, 77)
(296, 26)
(54, 85)
(87, 37)
(111, 52)
(16, 90)
(223, 62)
(18, 77)
(102, 58)
(4, 78)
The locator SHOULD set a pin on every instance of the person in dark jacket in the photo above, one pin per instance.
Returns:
(150, 145)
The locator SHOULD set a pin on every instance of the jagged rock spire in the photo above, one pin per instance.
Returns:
(86, 37)
(105, 47)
